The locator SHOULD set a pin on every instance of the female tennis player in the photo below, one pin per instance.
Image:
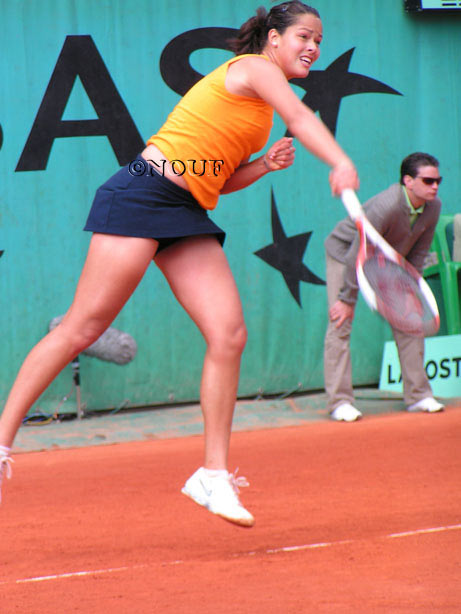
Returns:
(156, 209)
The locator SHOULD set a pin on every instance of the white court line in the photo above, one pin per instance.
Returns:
(73, 574)
(308, 546)
(451, 527)
(95, 572)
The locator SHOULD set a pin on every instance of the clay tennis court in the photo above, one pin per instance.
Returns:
(364, 517)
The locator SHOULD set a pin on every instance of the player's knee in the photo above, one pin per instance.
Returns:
(239, 339)
(87, 337)
(79, 338)
(229, 341)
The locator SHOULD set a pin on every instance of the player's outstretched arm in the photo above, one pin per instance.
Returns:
(268, 82)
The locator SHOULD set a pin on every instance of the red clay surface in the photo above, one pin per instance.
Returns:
(358, 518)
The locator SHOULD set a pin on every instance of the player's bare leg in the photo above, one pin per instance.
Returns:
(199, 275)
(113, 269)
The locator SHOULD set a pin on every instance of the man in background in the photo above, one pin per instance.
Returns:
(405, 214)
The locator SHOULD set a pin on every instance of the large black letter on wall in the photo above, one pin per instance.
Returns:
(80, 57)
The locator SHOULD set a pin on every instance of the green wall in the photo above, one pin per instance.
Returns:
(42, 211)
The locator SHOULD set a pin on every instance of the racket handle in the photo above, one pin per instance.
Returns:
(352, 203)
(356, 212)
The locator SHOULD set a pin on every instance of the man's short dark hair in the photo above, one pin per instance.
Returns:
(414, 161)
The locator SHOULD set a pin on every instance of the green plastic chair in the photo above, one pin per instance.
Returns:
(448, 270)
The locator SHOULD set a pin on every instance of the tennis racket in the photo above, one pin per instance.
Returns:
(390, 284)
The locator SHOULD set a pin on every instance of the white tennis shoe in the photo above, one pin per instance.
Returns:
(345, 413)
(5, 466)
(429, 405)
(219, 494)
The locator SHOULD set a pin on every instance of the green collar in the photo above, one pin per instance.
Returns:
(413, 212)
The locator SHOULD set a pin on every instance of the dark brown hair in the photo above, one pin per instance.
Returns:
(252, 36)
(411, 164)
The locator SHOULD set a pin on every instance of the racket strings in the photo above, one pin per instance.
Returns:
(398, 295)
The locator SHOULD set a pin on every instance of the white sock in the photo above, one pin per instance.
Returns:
(4, 451)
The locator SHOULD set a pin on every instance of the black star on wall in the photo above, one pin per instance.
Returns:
(325, 88)
(286, 254)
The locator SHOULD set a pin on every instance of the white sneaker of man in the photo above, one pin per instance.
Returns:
(218, 492)
(429, 405)
(345, 413)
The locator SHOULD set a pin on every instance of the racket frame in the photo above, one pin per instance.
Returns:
(368, 232)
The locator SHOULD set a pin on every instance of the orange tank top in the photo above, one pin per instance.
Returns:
(210, 132)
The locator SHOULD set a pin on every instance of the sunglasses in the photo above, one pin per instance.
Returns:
(430, 180)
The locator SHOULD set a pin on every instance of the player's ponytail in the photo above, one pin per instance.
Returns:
(252, 36)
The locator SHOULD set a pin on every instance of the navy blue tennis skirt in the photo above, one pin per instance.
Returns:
(140, 202)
